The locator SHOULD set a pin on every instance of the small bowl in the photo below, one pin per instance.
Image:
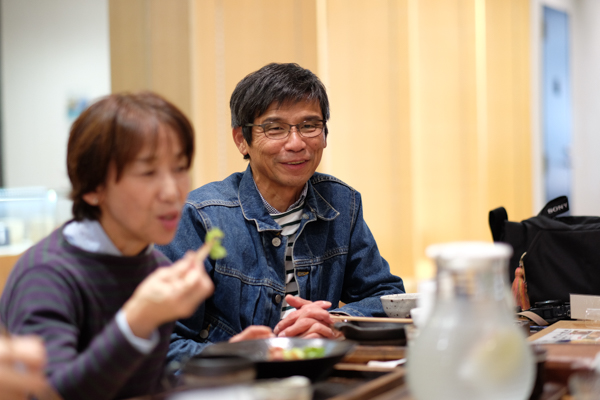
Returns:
(399, 305)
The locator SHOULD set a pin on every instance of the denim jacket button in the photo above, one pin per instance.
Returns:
(305, 216)
(203, 334)
(276, 242)
(278, 299)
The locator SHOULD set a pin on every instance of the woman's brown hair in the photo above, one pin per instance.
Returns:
(114, 129)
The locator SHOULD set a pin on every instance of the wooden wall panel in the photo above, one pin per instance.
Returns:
(509, 109)
(443, 93)
(151, 48)
(234, 38)
(369, 139)
(430, 99)
(128, 45)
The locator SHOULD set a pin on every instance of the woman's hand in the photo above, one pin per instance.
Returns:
(168, 294)
(253, 332)
(310, 320)
(22, 362)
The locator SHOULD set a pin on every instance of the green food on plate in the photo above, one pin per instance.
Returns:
(305, 353)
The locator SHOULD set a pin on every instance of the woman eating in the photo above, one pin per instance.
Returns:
(95, 290)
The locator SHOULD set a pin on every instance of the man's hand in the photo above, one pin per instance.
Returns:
(310, 320)
(169, 293)
(253, 332)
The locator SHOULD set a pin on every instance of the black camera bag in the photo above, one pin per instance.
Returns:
(562, 253)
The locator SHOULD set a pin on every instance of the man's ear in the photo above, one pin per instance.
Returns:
(240, 142)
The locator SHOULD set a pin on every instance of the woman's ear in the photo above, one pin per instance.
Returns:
(240, 142)
(93, 198)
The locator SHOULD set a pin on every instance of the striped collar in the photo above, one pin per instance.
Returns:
(272, 209)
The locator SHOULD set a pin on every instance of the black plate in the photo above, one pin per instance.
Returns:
(367, 331)
(258, 351)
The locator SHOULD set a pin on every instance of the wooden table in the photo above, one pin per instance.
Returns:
(564, 359)
(391, 385)
(352, 379)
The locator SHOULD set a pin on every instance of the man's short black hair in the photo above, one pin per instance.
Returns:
(274, 83)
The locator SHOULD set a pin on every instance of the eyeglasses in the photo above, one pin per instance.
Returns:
(281, 130)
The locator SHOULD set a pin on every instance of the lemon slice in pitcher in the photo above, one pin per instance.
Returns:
(496, 358)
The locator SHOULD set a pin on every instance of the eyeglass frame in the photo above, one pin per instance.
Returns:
(323, 128)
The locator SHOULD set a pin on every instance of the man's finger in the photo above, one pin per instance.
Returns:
(298, 302)
(320, 330)
(314, 336)
(309, 311)
(301, 326)
(289, 320)
(253, 332)
(305, 326)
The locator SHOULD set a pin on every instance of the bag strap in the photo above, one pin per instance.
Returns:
(497, 218)
(555, 207)
(534, 317)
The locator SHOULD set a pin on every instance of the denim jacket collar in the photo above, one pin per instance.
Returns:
(253, 208)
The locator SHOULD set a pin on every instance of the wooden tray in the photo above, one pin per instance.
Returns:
(363, 354)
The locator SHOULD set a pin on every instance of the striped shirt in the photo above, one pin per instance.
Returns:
(69, 297)
(289, 221)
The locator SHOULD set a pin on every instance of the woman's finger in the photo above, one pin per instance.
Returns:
(21, 383)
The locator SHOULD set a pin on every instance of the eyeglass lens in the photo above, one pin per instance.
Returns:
(280, 130)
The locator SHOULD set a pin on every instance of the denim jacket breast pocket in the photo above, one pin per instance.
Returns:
(319, 277)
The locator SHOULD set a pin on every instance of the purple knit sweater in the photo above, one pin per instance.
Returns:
(70, 297)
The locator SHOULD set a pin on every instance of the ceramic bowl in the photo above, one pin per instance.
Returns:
(258, 351)
(399, 305)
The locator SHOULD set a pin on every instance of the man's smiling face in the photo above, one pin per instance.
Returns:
(284, 166)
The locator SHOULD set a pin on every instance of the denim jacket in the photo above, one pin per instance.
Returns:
(335, 258)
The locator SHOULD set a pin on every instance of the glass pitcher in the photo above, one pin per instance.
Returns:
(470, 347)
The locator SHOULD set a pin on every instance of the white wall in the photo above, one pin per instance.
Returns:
(51, 51)
(584, 16)
(586, 107)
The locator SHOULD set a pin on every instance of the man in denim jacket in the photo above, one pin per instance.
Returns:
(279, 115)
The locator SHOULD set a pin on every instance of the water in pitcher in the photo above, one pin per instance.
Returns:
(470, 347)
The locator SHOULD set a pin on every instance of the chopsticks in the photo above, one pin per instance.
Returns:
(204, 251)
(347, 318)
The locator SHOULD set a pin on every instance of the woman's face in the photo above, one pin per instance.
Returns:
(144, 206)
